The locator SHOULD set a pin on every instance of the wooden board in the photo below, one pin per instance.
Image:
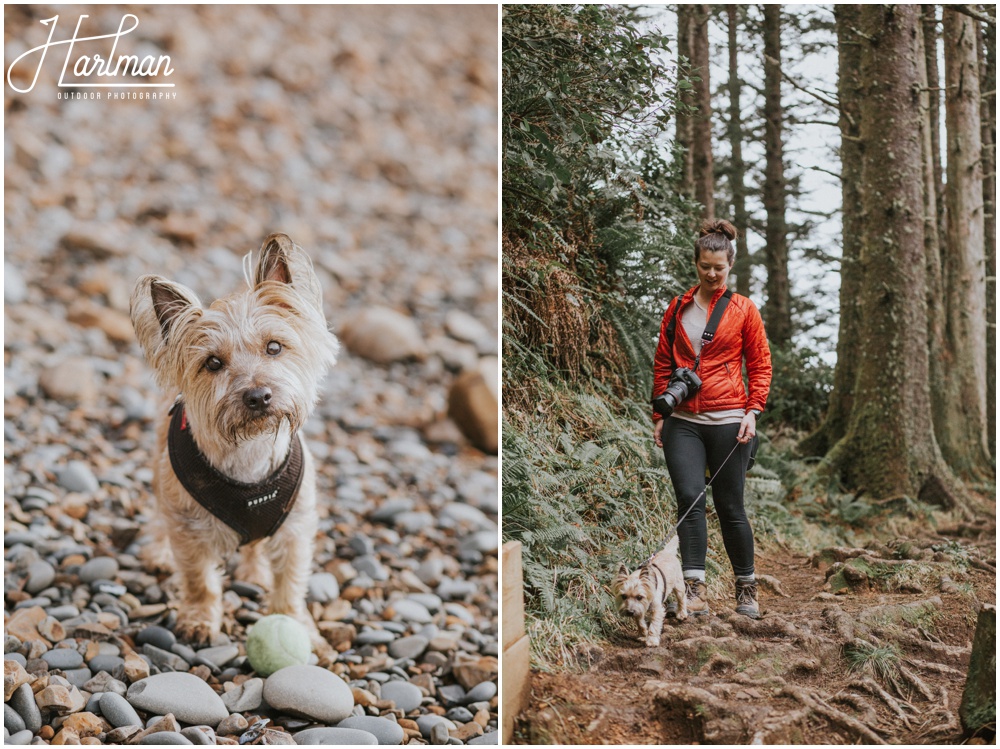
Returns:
(512, 604)
(515, 681)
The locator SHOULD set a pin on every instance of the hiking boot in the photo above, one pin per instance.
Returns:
(697, 598)
(746, 599)
(671, 609)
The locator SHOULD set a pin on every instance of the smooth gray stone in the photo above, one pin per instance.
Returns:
(21, 738)
(439, 734)
(482, 692)
(21, 537)
(16, 657)
(23, 700)
(165, 737)
(452, 694)
(361, 544)
(99, 568)
(63, 612)
(10, 644)
(94, 703)
(246, 697)
(105, 663)
(323, 588)
(218, 656)
(78, 676)
(43, 601)
(371, 566)
(246, 590)
(184, 651)
(427, 722)
(392, 507)
(308, 692)
(374, 637)
(164, 660)
(199, 735)
(414, 522)
(408, 647)
(334, 736)
(493, 737)
(64, 658)
(429, 601)
(11, 720)
(186, 696)
(159, 637)
(411, 611)
(76, 476)
(406, 696)
(40, 576)
(459, 715)
(388, 732)
(117, 711)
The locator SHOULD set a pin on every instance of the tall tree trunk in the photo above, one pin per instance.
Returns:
(738, 172)
(889, 449)
(937, 308)
(930, 27)
(778, 310)
(685, 123)
(988, 113)
(849, 84)
(962, 433)
(704, 167)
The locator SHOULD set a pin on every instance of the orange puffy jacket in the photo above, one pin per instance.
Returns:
(740, 335)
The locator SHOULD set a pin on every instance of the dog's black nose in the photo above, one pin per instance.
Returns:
(257, 399)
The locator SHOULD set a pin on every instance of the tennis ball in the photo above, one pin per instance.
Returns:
(277, 641)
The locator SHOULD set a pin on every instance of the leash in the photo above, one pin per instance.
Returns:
(673, 531)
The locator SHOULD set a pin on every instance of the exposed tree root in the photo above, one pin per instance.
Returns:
(860, 704)
(900, 611)
(870, 685)
(841, 622)
(772, 584)
(951, 725)
(832, 714)
(938, 668)
(916, 682)
(952, 653)
(775, 732)
(772, 627)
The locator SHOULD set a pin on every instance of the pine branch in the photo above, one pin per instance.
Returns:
(800, 87)
(836, 175)
(966, 10)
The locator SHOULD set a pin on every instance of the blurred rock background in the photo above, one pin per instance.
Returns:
(367, 134)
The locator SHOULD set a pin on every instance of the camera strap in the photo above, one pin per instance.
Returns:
(710, 327)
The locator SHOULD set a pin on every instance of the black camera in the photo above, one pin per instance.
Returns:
(683, 383)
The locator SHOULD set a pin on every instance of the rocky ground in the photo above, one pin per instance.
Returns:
(369, 136)
(867, 645)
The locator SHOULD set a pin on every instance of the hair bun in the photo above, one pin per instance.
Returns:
(720, 226)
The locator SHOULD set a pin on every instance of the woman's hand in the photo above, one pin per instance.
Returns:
(658, 433)
(748, 428)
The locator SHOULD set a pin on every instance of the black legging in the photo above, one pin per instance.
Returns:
(688, 448)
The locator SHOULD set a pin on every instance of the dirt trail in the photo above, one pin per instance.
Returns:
(787, 678)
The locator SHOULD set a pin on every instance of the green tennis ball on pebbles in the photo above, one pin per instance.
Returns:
(277, 641)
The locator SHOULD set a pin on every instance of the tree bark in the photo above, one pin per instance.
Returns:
(988, 114)
(738, 170)
(930, 27)
(701, 146)
(849, 85)
(962, 433)
(777, 312)
(937, 309)
(684, 134)
(889, 448)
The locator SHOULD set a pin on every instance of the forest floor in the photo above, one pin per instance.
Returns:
(884, 661)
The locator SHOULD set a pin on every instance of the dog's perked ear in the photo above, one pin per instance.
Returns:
(622, 574)
(159, 309)
(283, 261)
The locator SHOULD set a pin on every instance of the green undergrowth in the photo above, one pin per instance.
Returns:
(586, 488)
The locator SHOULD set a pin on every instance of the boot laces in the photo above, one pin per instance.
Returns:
(746, 593)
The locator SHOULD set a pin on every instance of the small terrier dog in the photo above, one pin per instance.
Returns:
(230, 468)
(646, 591)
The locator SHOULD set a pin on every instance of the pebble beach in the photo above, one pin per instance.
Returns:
(369, 136)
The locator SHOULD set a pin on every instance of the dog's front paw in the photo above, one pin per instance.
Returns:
(195, 631)
(653, 641)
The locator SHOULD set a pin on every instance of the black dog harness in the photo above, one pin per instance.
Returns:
(252, 510)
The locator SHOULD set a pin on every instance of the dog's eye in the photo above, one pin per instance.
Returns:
(273, 348)
(213, 364)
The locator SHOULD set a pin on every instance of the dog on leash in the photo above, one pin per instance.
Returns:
(231, 469)
(645, 592)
